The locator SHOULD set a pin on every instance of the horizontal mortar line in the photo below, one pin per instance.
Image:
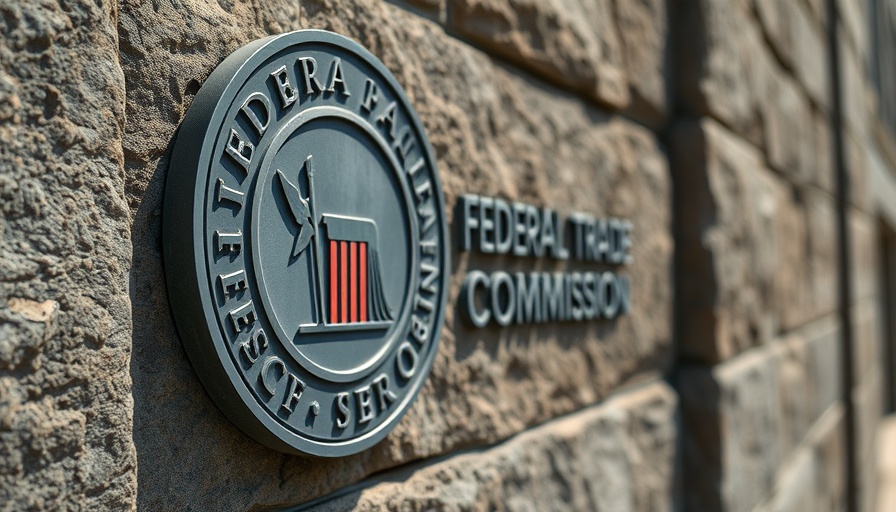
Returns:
(403, 471)
(827, 320)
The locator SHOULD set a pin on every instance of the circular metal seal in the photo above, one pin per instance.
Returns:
(305, 244)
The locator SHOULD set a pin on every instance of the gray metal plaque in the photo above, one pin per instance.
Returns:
(305, 243)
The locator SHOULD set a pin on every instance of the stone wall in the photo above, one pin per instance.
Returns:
(709, 123)
(766, 420)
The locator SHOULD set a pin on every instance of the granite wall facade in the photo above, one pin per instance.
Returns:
(758, 187)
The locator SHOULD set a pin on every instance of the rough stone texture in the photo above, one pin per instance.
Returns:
(721, 64)
(811, 58)
(731, 424)
(854, 26)
(813, 478)
(823, 159)
(493, 132)
(643, 31)
(753, 264)
(864, 255)
(789, 134)
(824, 363)
(733, 66)
(65, 392)
(856, 100)
(830, 456)
(776, 19)
(886, 465)
(748, 419)
(610, 50)
(868, 351)
(868, 405)
(821, 263)
(618, 456)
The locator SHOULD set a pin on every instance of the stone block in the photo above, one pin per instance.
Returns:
(823, 155)
(814, 477)
(776, 19)
(743, 246)
(796, 489)
(855, 82)
(830, 456)
(868, 351)
(868, 403)
(493, 132)
(65, 251)
(821, 251)
(789, 132)
(810, 54)
(818, 11)
(858, 173)
(644, 32)
(617, 456)
(864, 253)
(570, 42)
(797, 396)
(731, 420)
(854, 26)
(823, 344)
(722, 64)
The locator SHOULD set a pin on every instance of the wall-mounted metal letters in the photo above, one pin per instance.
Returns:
(494, 226)
(305, 243)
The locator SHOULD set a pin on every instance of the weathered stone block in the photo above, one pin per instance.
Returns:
(821, 251)
(868, 352)
(776, 19)
(813, 479)
(810, 56)
(742, 257)
(493, 132)
(853, 15)
(758, 428)
(65, 388)
(864, 256)
(722, 63)
(570, 42)
(818, 11)
(823, 156)
(830, 456)
(854, 81)
(617, 456)
(731, 420)
(796, 488)
(643, 32)
(798, 397)
(824, 362)
(789, 133)
(868, 404)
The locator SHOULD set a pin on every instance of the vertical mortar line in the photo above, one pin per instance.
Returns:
(675, 111)
(844, 279)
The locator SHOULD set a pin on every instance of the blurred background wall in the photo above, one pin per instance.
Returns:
(751, 142)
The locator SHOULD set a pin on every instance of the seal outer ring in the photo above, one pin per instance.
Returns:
(184, 248)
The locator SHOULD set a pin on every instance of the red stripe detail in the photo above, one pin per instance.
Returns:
(333, 293)
(343, 280)
(353, 282)
(363, 258)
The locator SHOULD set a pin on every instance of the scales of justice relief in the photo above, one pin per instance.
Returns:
(354, 282)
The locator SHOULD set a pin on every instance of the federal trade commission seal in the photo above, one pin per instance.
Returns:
(305, 243)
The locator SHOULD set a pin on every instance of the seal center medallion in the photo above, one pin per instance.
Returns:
(332, 239)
